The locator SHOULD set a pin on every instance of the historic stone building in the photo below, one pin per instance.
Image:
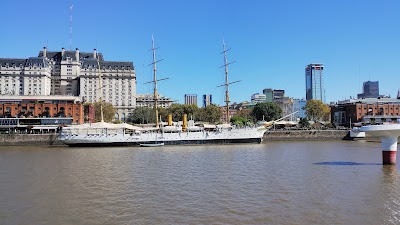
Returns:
(73, 73)
(147, 100)
(30, 76)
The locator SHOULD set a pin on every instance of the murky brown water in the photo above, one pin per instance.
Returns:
(269, 183)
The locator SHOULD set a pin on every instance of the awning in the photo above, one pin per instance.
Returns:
(45, 128)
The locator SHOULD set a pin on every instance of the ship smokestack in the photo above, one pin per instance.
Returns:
(184, 122)
(62, 52)
(44, 52)
(94, 53)
(169, 119)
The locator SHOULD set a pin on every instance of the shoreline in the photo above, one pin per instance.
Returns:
(272, 135)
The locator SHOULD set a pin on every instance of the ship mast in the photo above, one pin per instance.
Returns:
(154, 63)
(227, 100)
(101, 88)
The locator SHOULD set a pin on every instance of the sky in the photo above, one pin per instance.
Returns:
(271, 42)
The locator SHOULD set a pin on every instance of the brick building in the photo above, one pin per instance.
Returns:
(368, 110)
(42, 106)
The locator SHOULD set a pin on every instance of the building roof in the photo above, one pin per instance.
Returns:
(37, 61)
(116, 65)
(370, 101)
(11, 62)
(92, 63)
(56, 56)
(31, 61)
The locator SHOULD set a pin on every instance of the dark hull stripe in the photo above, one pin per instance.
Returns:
(181, 142)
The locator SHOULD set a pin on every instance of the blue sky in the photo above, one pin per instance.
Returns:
(271, 41)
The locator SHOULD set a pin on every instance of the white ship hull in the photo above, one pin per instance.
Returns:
(244, 135)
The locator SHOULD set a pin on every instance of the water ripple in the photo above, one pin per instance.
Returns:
(271, 183)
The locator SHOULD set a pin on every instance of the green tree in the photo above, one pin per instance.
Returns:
(239, 120)
(317, 110)
(304, 122)
(246, 113)
(177, 111)
(108, 111)
(192, 111)
(270, 111)
(142, 115)
(210, 114)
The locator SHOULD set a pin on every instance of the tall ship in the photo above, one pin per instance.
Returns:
(186, 132)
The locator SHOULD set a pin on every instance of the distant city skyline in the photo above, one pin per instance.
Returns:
(270, 42)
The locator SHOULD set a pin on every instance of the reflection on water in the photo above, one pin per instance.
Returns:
(344, 163)
(391, 188)
(268, 183)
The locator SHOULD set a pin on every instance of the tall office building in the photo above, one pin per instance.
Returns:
(272, 94)
(207, 100)
(258, 98)
(315, 88)
(72, 73)
(298, 105)
(190, 99)
(370, 90)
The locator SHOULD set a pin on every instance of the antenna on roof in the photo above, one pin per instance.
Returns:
(70, 27)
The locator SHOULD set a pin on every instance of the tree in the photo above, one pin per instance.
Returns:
(108, 111)
(246, 113)
(304, 122)
(267, 111)
(239, 120)
(177, 111)
(142, 115)
(210, 114)
(317, 110)
(192, 111)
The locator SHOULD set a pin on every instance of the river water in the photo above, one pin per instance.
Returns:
(340, 182)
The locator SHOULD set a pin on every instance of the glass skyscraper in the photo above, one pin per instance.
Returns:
(207, 100)
(370, 90)
(315, 88)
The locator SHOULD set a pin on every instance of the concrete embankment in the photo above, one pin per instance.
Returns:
(29, 139)
(306, 135)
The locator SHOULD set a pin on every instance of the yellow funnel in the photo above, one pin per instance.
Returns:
(184, 121)
(169, 119)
